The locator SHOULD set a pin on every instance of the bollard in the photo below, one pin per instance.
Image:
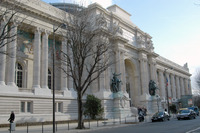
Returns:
(10, 127)
(89, 123)
(119, 120)
(68, 125)
(97, 123)
(56, 126)
(42, 127)
(135, 118)
(125, 120)
(27, 127)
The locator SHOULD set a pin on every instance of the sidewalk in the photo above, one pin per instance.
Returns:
(70, 128)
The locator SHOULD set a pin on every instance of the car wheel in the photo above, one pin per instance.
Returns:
(152, 120)
(163, 119)
(178, 118)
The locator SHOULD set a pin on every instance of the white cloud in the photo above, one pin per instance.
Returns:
(104, 3)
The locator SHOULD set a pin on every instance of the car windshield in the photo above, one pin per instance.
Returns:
(158, 114)
(185, 111)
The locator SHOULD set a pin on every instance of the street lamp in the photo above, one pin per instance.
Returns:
(54, 43)
(158, 98)
(166, 84)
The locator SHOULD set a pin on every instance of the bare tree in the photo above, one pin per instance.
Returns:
(197, 81)
(89, 51)
(10, 18)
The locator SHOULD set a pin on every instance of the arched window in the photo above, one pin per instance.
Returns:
(49, 79)
(19, 75)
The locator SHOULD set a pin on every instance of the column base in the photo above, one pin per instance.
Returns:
(104, 94)
(8, 89)
(11, 84)
(2, 83)
(42, 91)
(45, 87)
(70, 93)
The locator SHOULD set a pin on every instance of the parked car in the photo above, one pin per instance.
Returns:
(195, 109)
(186, 114)
(160, 116)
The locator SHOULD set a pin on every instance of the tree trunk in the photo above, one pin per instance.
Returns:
(80, 112)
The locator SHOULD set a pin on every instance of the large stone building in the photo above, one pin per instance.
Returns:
(26, 77)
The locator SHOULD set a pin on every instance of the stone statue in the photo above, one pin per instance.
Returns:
(152, 88)
(115, 84)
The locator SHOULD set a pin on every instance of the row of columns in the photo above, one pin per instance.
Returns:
(176, 87)
(40, 63)
(40, 60)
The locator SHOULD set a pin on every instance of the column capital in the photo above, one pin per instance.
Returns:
(37, 30)
(45, 32)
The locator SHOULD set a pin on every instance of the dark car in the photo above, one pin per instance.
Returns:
(195, 109)
(160, 116)
(186, 114)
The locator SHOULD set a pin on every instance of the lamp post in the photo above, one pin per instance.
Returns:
(54, 45)
(166, 85)
(54, 30)
(158, 98)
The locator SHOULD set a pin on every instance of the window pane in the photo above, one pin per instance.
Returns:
(22, 106)
(59, 107)
(29, 106)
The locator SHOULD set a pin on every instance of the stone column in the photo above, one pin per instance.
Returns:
(178, 87)
(123, 75)
(173, 86)
(44, 60)
(189, 87)
(182, 87)
(118, 59)
(143, 73)
(2, 51)
(169, 85)
(70, 80)
(162, 84)
(12, 46)
(153, 73)
(186, 86)
(64, 66)
(36, 60)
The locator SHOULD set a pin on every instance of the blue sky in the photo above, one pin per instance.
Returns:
(173, 24)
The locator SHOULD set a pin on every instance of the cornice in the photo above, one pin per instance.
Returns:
(39, 8)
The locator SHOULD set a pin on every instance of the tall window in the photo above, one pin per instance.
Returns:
(19, 75)
(49, 79)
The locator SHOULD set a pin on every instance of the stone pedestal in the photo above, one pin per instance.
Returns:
(121, 107)
(151, 103)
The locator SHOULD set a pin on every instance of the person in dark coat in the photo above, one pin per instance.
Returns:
(12, 117)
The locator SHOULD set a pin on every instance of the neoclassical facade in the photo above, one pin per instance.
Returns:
(26, 76)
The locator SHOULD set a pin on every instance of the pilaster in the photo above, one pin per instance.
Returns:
(12, 47)
(64, 77)
(3, 52)
(123, 75)
(144, 73)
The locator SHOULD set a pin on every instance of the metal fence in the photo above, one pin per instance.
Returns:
(69, 126)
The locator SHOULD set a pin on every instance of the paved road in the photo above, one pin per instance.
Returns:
(172, 126)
